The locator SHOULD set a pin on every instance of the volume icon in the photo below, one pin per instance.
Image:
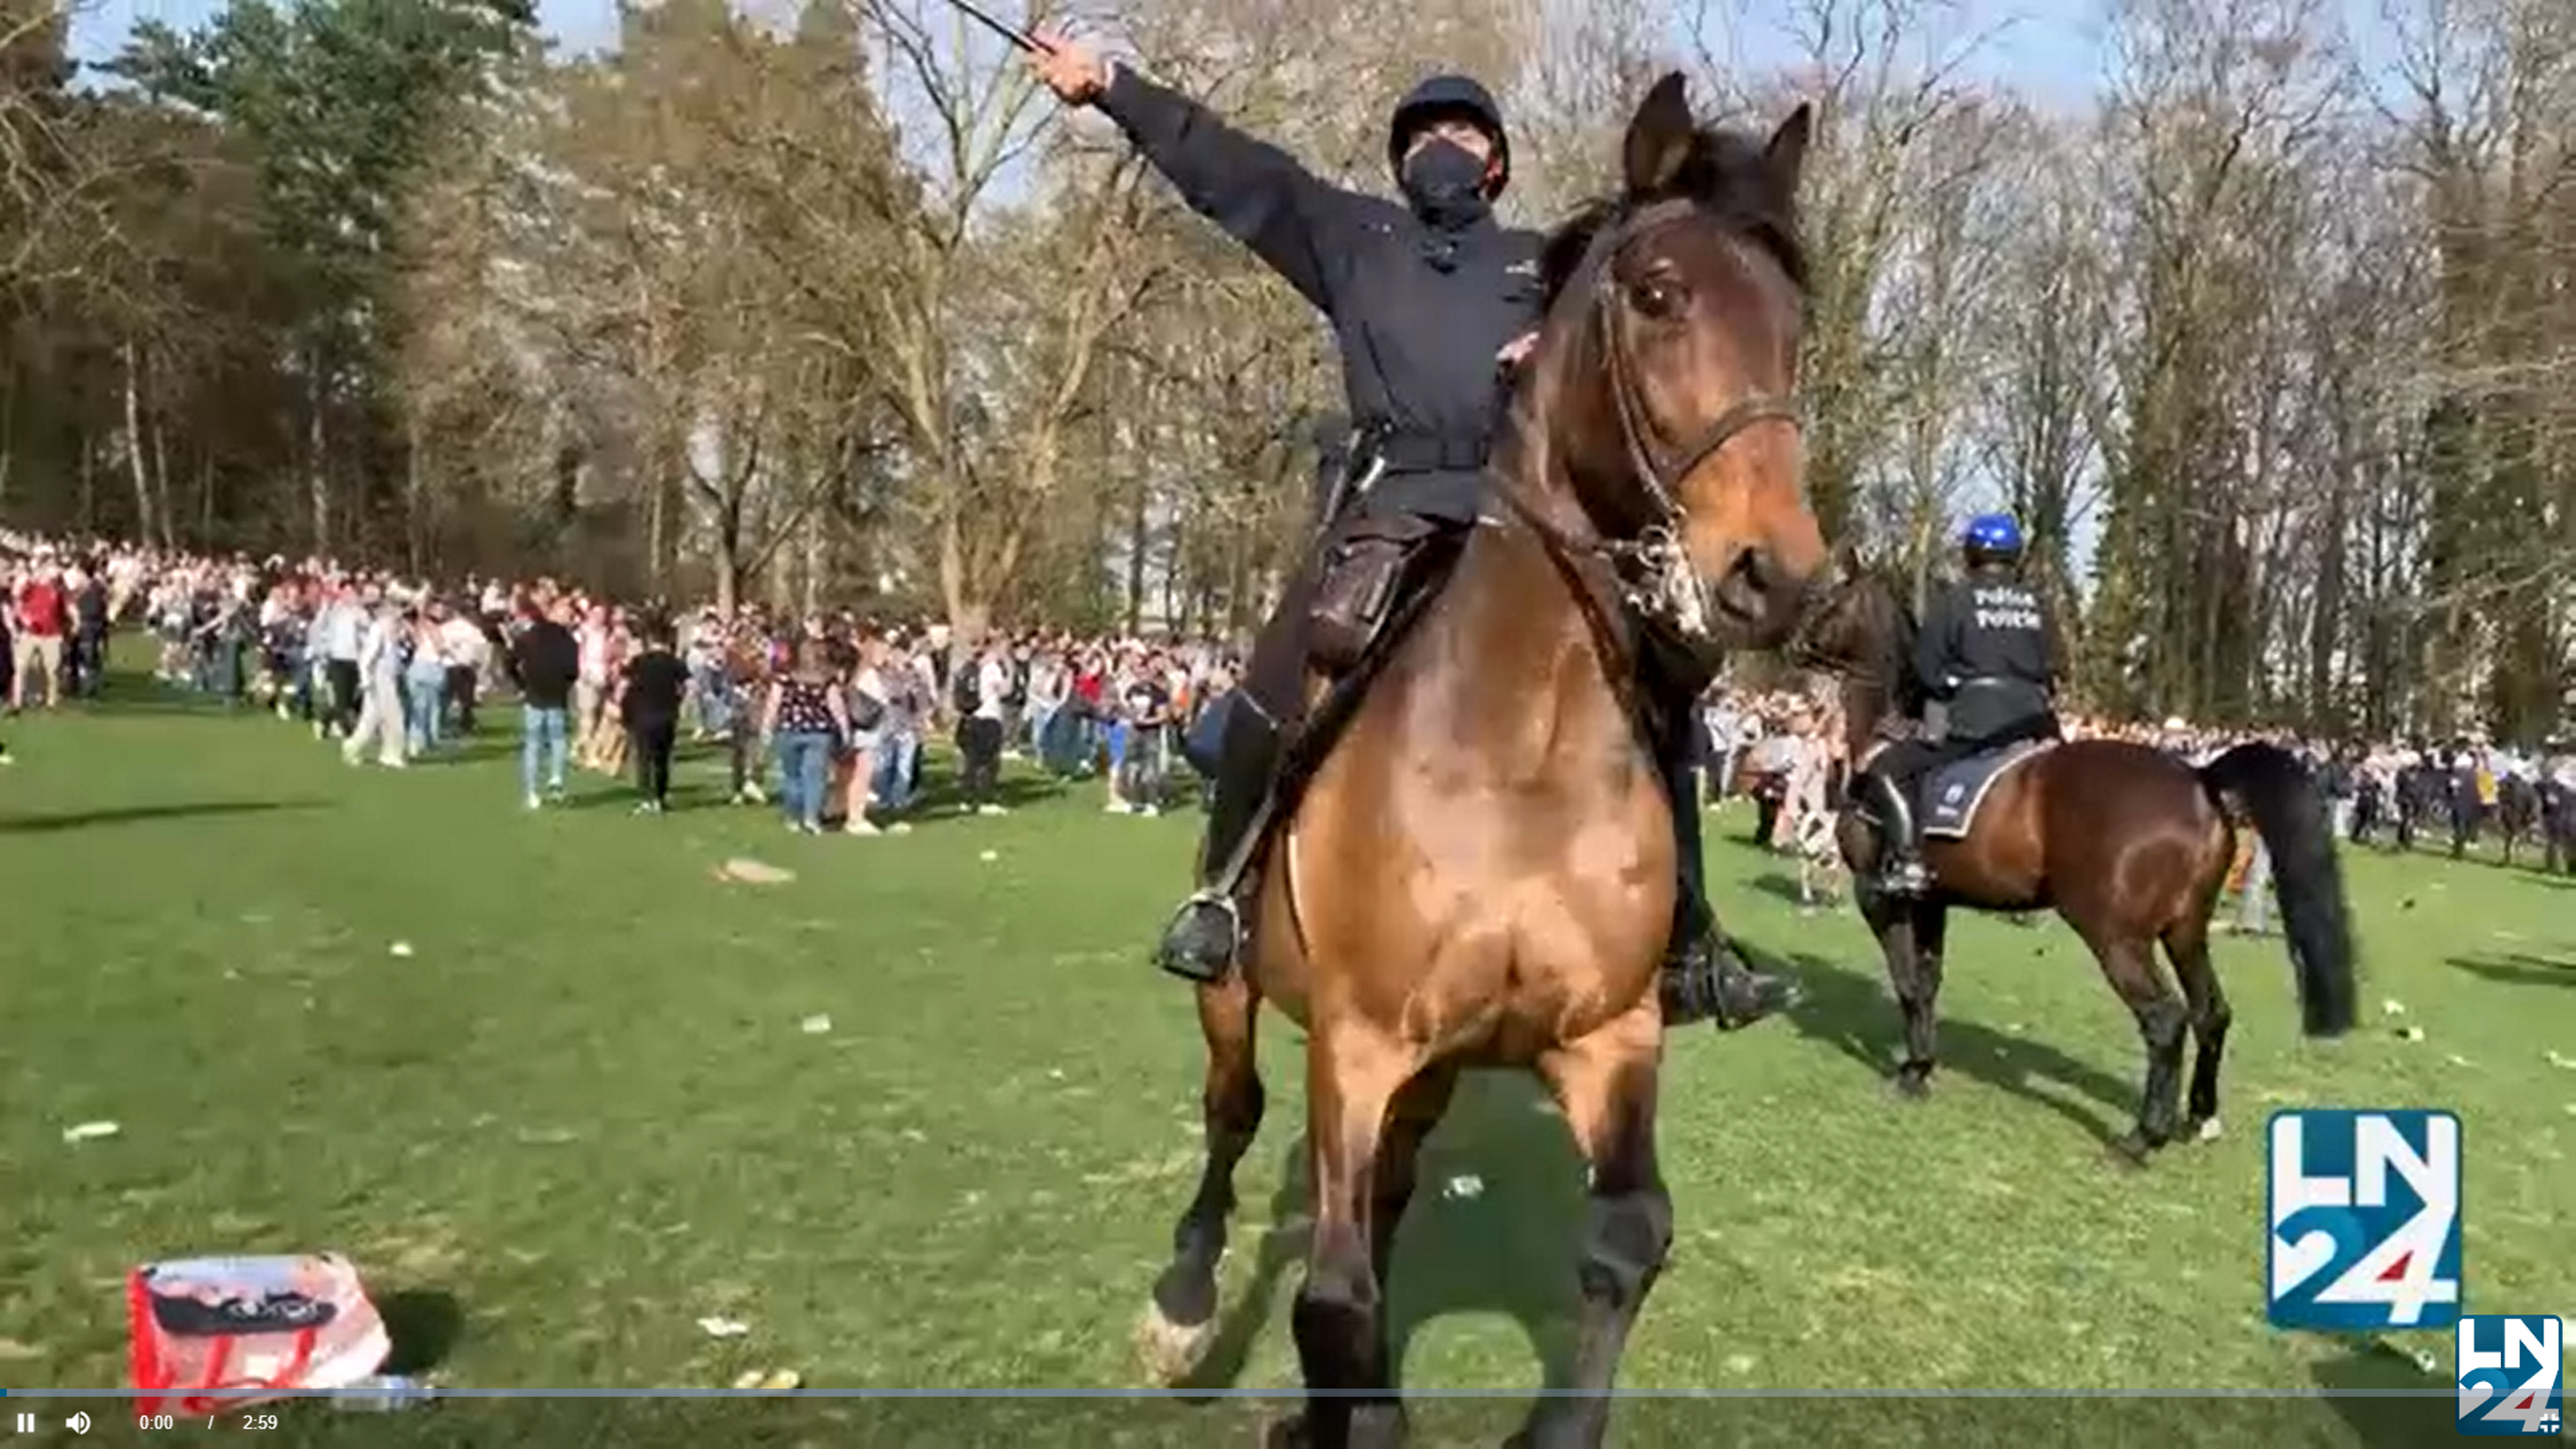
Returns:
(77, 1423)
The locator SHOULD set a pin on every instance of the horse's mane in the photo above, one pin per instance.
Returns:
(1728, 174)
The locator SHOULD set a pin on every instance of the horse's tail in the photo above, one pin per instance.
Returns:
(2289, 814)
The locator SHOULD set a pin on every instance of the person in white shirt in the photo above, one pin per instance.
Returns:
(380, 709)
(469, 654)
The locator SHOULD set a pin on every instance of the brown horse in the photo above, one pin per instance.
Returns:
(2129, 844)
(1480, 872)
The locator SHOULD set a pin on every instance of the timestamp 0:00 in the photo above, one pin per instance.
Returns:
(164, 1421)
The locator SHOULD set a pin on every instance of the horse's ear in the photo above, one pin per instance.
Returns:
(1786, 154)
(1660, 136)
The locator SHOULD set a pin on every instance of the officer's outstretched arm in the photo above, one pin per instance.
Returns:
(1260, 194)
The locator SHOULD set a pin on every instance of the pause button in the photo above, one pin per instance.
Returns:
(26, 1423)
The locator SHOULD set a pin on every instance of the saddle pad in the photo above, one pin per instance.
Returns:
(1952, 793)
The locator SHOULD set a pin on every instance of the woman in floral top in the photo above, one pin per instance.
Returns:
(806, 717)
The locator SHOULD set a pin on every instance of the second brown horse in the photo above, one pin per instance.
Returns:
(2129, 844)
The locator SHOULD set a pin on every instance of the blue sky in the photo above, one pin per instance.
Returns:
(2053, 48)
(2049, 49)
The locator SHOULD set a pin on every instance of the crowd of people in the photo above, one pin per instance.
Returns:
(830, 714)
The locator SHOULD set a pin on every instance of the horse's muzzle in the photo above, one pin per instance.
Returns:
(1761, 605)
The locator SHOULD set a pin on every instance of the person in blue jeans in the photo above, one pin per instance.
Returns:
(424, 685)
(545, 660)
(805, 718)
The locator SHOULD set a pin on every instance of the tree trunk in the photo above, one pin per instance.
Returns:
(134, 440)
(728, 561)
(317, 474)
(415, 500)
(1136, 544)
(8, 432)
(813, 564)
(88, 489)
(656, 522)
(160, 431)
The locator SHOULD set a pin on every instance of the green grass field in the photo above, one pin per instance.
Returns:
(581, 1114)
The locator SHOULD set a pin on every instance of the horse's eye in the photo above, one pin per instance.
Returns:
(1659, 297)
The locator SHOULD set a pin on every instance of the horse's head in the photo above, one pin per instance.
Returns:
(1657, 413)
(1861, 628)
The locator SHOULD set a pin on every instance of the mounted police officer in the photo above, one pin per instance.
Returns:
(1987, 653)
(1431, 303)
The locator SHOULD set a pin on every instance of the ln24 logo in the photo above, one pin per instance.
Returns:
(2365, 1220)
(2511, 1379)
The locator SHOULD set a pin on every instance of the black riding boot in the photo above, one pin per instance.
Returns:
(1703, 976)
(1201, 941)
(1900, 859)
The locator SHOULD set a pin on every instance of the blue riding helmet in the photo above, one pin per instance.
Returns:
(1992, 533)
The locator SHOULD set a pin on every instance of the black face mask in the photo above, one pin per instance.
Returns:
(1446, 184)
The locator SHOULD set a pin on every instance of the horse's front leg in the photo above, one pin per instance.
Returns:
(1606, 1082)
(1179, 1324)
(1354, 1076)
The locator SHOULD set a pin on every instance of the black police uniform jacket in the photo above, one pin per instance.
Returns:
(1987, 650)
(1419, 312)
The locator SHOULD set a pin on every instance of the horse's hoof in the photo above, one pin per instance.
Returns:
(1171, 1351)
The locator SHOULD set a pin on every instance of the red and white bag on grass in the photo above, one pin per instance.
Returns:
(210, 1333)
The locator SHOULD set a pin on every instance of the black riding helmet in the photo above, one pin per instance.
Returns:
(1449, 95)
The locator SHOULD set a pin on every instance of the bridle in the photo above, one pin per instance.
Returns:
(1652, 570)
(1662, 479)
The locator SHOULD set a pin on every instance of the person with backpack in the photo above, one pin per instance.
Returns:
(981, 688)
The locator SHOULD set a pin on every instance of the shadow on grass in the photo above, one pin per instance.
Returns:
(1857, 1016)
(2519, 969)
(2386, 1422)
(424, 1325)
(1778, 885)
(1509, 1247)
(139, 814)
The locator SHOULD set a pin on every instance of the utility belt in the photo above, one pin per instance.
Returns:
(1429, 452)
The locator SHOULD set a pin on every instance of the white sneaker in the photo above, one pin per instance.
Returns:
(536, 804)
(857, 826)
(900, 827)
(1116, 807)
(989, 808)
(1149, 811)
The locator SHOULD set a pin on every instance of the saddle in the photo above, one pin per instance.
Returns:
(1951, 792)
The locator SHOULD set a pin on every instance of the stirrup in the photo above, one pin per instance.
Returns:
(1905, 878)
(1174, 954)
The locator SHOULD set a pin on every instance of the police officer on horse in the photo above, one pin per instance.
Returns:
(1431, 303)
(1986, 651)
